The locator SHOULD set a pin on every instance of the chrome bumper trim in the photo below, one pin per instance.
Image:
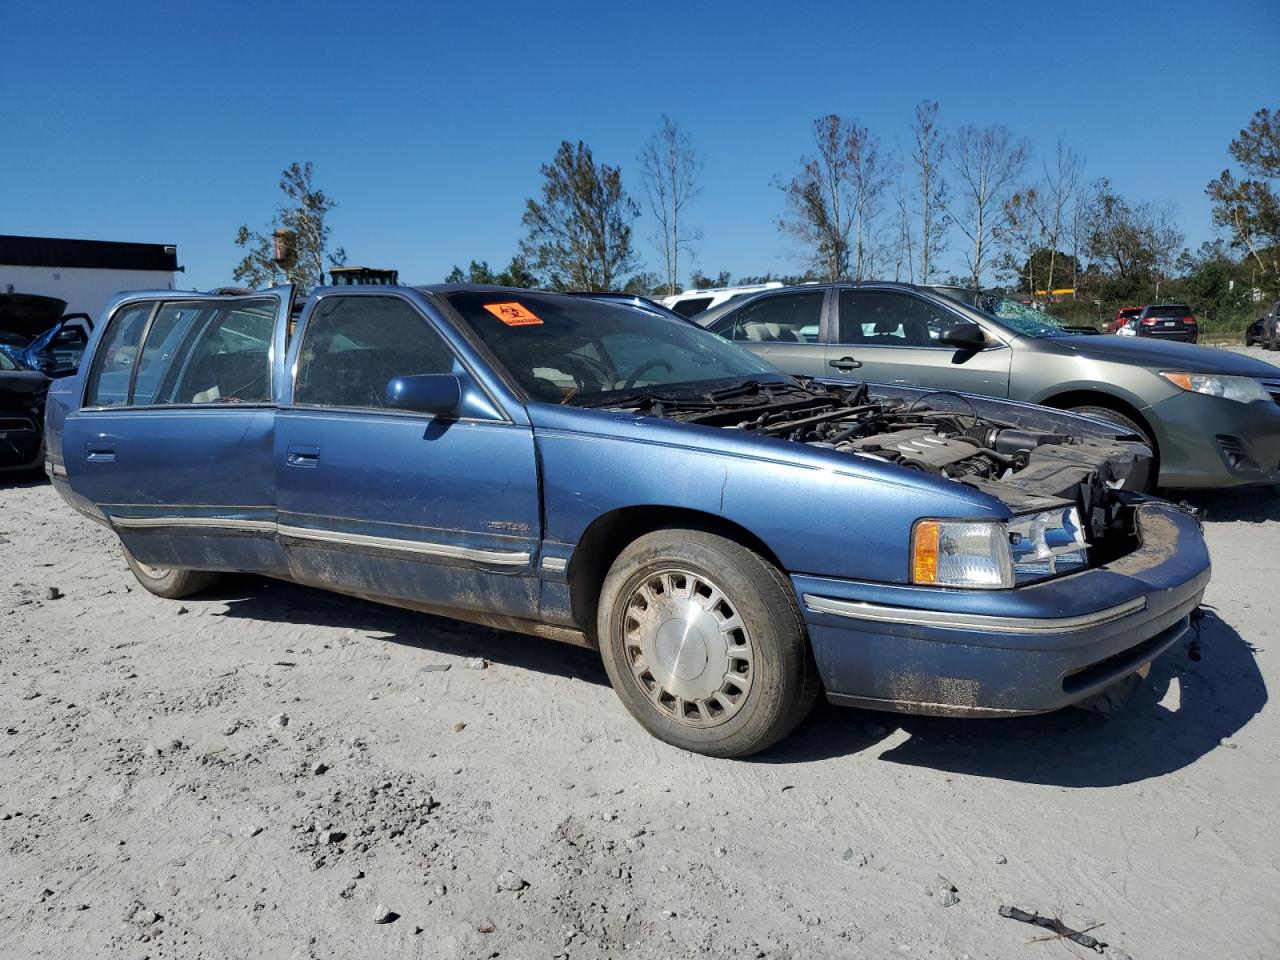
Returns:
(978, 622)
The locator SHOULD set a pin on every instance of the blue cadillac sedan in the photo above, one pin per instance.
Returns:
(732, 540)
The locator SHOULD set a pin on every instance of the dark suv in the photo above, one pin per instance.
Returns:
(1168, 321)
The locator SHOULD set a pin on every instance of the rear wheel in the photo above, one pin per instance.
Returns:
(167, 582)
(1119, 419)
(704, 643)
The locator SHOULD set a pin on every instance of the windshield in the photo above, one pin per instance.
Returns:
(566, 349)
(1020, 318)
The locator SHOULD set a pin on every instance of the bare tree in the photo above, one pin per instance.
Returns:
(987, 161)
(1059, 196)
(833, 201)
(869, 175)
(670, 168)
(927, 154)
(1135, 242)
(903, 254)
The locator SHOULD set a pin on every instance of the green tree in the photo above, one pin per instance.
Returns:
(1248, 207)
(700, 281)
(579, 234)
(1134, 242)
(517, 274)
(295, 246)
(1046, 266)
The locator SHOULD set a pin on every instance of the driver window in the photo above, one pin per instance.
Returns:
(352, 346)
(891, 319)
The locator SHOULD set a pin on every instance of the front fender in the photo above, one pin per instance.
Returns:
(818, 512)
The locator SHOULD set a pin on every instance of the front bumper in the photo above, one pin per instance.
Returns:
(1027, 650)
(1211, 442)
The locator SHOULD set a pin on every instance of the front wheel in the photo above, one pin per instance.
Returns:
(704, 643)
(167, 582)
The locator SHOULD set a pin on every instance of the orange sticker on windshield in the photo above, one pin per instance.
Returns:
(513, 314)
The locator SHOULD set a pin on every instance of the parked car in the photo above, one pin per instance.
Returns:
(35, 333)
(690, 303)
(1123, 317)
(1168, 321)
(1211, 416)
(731, 539)
(22, 398)
(1271, 328)
(1255, 333)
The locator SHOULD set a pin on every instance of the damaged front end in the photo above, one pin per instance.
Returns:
(1065, 478)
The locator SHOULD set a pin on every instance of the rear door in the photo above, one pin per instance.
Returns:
(438, 511)
(173, 437)
(784, 328)
(891, 336)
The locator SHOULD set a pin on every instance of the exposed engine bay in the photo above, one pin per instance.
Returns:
(1029, 462)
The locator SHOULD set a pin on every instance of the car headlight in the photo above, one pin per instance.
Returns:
(993, 555)
(1242, 389)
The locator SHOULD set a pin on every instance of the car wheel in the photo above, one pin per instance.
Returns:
(1106, 413)
(169, 583)
(704, 643)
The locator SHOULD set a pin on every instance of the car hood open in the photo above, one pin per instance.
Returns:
(28, 314)
(1166, 355)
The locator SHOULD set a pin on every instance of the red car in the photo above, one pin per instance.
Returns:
(1123, 316)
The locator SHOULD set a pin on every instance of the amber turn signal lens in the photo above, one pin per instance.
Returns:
(924, 552)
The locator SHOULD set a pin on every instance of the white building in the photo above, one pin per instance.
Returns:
(84, 273)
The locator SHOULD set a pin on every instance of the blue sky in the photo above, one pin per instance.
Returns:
(166, 122)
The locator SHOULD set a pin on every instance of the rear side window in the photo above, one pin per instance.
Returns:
(353, 346)
(780, 318)
(113, 363)
(208, 353)
(195, 352)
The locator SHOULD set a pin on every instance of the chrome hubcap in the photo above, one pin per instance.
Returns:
(687, 648)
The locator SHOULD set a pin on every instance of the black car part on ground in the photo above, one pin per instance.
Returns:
(1028, 465)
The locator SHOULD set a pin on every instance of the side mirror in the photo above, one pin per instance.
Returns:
(964, 336)
(434, 393)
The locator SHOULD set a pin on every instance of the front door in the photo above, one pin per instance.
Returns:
(891, 336)
(393, 504)
(173, 437)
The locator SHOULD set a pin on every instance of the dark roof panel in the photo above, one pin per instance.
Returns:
(90, 254)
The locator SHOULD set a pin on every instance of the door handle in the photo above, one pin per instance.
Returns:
(845, 363)
(100, 451)
(302, 456)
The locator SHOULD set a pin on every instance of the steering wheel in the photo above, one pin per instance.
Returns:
(648, 364)
(589, 366)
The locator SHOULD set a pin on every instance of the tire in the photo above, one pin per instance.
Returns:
(733, 691)
(1106, 413)
(168, 583)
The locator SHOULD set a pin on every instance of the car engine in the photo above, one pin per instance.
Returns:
(1020, 464)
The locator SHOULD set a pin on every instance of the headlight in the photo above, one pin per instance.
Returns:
(1242, 389)
(993, 555)
(961, 553)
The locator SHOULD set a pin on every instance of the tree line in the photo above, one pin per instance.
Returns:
(856, 209)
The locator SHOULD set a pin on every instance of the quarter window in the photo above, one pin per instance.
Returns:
(353, 346)
(113, 363)
(885, 318)
(780, 318)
